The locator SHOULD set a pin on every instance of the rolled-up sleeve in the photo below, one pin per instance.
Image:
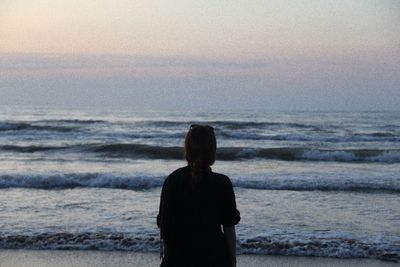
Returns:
(230, 214)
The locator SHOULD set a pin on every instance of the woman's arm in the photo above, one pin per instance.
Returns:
(230, 236)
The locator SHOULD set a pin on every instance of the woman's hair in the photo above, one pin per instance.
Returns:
(200, 148)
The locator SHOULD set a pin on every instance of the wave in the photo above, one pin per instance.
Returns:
(311, 136)
(71, 121)
(81, 241)
(74, 180)
(334, 245)
(293, 184)
(243, 153)
(373, 137)
(126, 150)
(235, 125)
(24, 126)
(231, 125)
(137, 151)
(56, 125)
(226, 124)
(230, 130)
(145, 182)
(106, 150)
(377, 134)
(32, 149)
(319, 245)
(227, 128)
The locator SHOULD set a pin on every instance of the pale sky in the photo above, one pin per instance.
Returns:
(201, 54)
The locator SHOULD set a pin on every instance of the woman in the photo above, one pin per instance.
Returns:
(195, 203)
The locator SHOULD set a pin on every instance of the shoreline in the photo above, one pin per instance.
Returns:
(84, 258)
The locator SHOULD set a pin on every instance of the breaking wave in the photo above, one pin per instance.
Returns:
(138, 151)
(336, 245)
(73, 180)
(306, 244)
(145, 182)
(81, 241)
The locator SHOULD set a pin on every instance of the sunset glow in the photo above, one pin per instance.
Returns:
(313, 46)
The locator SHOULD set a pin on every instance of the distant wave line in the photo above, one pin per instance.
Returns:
(21, 125)
(138, 151)
(24, 126)
(225, 129)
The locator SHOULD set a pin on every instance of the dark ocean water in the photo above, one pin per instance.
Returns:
(307, 183)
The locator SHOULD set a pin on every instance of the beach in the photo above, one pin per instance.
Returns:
(45, 258)
(103, 162)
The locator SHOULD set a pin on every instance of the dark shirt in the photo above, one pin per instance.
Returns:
(191, 216)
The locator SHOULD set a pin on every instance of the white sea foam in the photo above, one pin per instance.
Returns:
(323, 244)
(140, 151)
(144, 182)
(299, 184)
(72, 180)
(326, 155)
(319, 244)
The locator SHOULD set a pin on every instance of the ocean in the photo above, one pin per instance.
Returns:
(306, 183)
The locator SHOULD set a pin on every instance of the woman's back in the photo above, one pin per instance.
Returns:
(195, 203)
(191, 216)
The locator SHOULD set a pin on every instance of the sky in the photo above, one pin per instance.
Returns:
(203, 54)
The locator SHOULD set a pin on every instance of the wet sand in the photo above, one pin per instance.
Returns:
(47, 258)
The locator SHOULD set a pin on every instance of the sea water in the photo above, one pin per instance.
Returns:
(306, 183)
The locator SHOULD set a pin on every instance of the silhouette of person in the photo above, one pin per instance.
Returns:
(198, 214)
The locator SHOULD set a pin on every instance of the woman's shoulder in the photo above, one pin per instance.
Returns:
(176, 174)
(221, 179)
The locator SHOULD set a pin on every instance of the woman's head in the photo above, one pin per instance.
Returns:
(200, 146)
